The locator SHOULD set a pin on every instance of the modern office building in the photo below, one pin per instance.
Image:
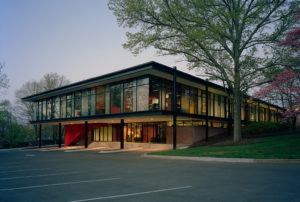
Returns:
(134, 106)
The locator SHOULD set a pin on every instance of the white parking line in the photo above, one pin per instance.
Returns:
(58, 184)
(14, 171)
(44, 175)
(132, 194)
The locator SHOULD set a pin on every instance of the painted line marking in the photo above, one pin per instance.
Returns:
(132, 194)
(58, 184)
(44, 175)
(14, 171)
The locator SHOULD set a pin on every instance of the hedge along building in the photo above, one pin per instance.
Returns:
(134, 107)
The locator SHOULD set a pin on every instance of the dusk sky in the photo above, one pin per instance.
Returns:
(76, 38)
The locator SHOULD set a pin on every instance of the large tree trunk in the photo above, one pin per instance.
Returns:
(237, 132)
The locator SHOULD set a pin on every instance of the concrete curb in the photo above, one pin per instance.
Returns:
(224, 160)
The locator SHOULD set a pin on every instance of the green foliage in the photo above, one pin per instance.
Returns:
(265, 127)
(224, 40)
(277, 147)
(15, 134)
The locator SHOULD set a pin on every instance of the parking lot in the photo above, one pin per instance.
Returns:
(35, 175)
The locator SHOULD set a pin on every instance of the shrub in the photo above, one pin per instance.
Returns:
(265, 127)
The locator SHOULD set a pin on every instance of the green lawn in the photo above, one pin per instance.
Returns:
(277, 147)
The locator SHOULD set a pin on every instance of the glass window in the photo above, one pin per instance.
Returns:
(178, 97)
(144, 81)
(49, 112)
(222, 106)
(210, 104)
(193, 100)
(92, 101)
(56, 108)
(217, 106)
(129, 97)
(100, 100)
(169, 94)
(142, 98)
(63, 106)
(85, 103)
(154, 97)
(107, 99)
(116, 99)
(69, 106)
(185, 98)
(40, 110)
(203, 103)
(77, 104)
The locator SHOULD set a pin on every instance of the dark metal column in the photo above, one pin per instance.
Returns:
(40, 135)
(86, 134)
(122, 134)
(174, 102)
(59, 135)
(206, 115)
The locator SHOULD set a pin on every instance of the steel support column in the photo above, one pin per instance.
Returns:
(86, 134)
(174, 108)
(59, 135)
(206, 115)
(122, 134)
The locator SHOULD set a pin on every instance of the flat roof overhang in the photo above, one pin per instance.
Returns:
(149, 68)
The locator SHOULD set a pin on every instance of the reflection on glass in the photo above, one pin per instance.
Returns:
(69, 106)
(57, 107)
(100, 103)
(142, 98)
(154, 97)
(116, 99)
(48, 109)
(63, 106)
(129, 97)
(93, 102)
(85, 103)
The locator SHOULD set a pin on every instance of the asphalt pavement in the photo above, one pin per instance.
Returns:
(34, 175)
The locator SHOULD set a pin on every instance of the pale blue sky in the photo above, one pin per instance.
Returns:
(77, 38)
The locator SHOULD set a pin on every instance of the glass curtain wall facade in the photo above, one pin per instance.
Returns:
(144, 94)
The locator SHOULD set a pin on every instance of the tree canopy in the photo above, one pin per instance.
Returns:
(228, 40)
(3, 77)
(47, 82)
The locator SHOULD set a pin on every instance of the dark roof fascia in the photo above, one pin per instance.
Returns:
(144, 66)
(187, 76)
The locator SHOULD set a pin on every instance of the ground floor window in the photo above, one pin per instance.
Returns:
(133, 132)
(145, 132)
(103, 134)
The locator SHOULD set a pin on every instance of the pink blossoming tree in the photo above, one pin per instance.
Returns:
(293, 37)
(284, 89)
